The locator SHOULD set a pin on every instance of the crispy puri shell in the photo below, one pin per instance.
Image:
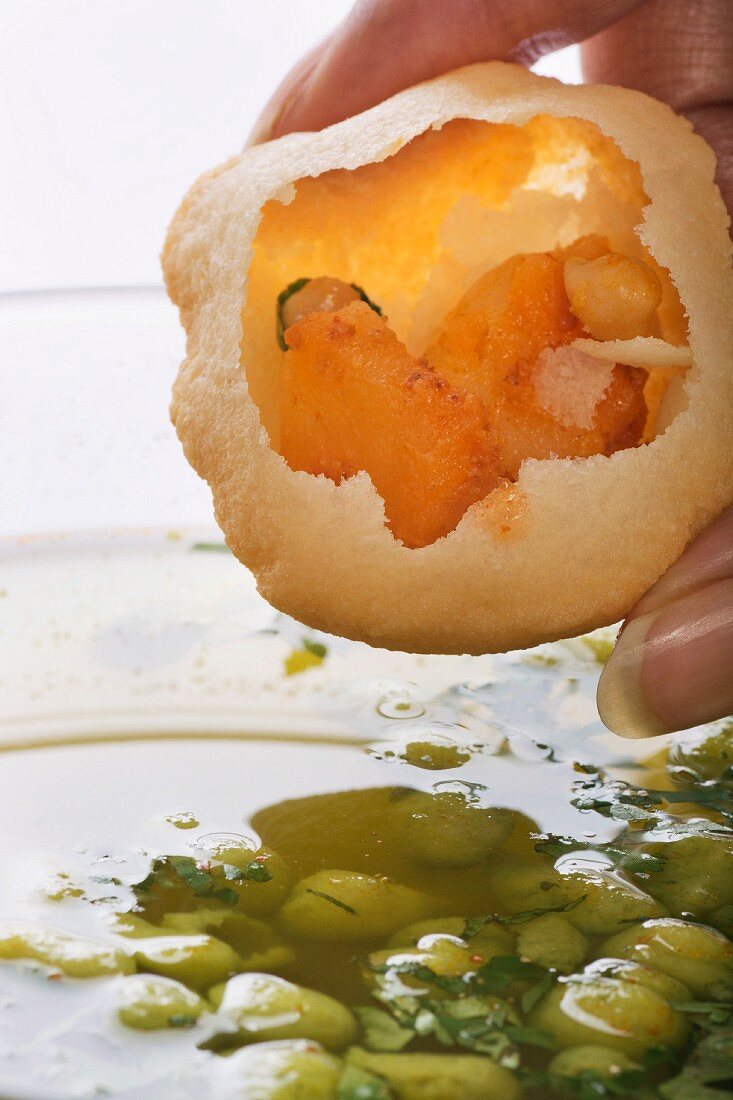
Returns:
(574, 543)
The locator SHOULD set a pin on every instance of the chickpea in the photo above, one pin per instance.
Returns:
(198, 961)
(552, 941)
(446, 830)
(698, 956)
(613, 296)
(321, 295)
(493, 939)
(295, 1069)
(446, 956)
(149, 1003)
(440, 1076)
(262, 1007)
(74, 956)
(697, 875)
(355, 907)
(522, 884)
(628, 971)
(625, 1016)
(598, 1059)
(610, 898)
(258, 945)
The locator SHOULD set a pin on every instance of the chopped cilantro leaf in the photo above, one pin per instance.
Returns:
(180, 1020)
(210, 547)
(588, 1084)
(356, 1083)
(708, 1072)
(381, 1032)
(475, 924)
(204, 881)
(333, 900)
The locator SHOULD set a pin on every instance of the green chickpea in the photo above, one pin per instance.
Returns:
(523, 884)
(597, 1059)
(345, 906)
(262, 1007)
(259, 895)
(198, 961)
(628, 971)
(295, 1069)
(698, 956)
(440, 1076)
(552, 941)
(257, 944)
(446, 830)
(625, 1016)
(74, 956)
(697, 874)
(610, 898)
(149, 1003)
(492, 940)
(447, 956)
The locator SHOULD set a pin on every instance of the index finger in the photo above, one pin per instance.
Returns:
(384, 46)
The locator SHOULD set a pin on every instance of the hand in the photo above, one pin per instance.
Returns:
(673, 663)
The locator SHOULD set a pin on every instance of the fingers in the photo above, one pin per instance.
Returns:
(386, 45)
(680, 51)
(672, 667)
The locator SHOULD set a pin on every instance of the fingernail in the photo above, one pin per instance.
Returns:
(621, 701)
(672, 668)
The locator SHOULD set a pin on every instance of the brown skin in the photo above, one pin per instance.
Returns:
(681, 51)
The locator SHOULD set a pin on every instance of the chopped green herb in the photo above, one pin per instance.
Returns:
(210, 547)
(253, 872)
(715, 1013)
(290, 289)
(475, 924)
(334, 901)
(181, 1021)
(203, 881)
(310, 655)
(708, 1072)
(381, 1032)
(588, 1084)
(360, 1084)
(627, 859)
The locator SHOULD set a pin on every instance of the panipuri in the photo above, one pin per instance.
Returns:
(460, 369)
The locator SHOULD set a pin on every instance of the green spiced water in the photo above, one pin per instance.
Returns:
(430, 917)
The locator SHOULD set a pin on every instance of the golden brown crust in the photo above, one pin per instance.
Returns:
(583, 538)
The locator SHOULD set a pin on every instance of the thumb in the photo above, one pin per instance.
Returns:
(672, 667)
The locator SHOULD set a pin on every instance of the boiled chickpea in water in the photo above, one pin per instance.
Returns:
(346, 906)
(262, 1007)
(698, 956)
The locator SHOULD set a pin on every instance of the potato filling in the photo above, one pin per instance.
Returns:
(498, 384)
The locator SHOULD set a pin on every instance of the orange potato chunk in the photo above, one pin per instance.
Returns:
(501, 342)
(354, 399)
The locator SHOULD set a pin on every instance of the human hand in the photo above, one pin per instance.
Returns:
(673, 664)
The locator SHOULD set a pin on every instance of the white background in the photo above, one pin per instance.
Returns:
(110, 108)
(108, 111)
